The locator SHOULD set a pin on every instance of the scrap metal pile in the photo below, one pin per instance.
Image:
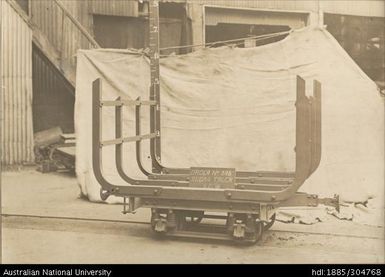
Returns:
(54, 150)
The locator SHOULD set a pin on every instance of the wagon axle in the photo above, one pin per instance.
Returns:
(238, 227)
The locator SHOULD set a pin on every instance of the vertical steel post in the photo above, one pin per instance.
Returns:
(119, 145)
(155, 145)
(138, 143)
(96, 124)
(97, 137)
(2, 90)
(316, 125)
(303, 132)
(118, 135)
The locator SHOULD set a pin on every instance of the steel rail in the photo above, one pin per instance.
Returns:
(148, 223)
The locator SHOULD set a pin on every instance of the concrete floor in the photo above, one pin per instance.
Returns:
(28, 238)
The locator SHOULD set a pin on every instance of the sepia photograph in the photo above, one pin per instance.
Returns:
(192, 132)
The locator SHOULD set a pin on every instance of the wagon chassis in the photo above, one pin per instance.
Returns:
(178, 198)
(178, 204)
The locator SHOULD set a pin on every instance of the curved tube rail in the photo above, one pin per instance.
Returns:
(262, 186)
(175, 173)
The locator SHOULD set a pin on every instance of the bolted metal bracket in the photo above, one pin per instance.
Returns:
(311, 200)
(264, 214)
(133, 204)
(239, 230)
(160, 225)
(157, 191)
(333, 202)
(104, 194)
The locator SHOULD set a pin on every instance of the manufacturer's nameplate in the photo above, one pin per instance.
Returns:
(212, 177)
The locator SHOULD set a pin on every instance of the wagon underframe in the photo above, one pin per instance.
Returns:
(248, 199)
(180, 198)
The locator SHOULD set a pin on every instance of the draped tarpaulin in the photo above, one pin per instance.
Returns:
(234, 107)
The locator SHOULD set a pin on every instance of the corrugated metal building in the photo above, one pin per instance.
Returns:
(94, 15)
(204, 11)
(348, 7)
(62, 34)
(16, 94)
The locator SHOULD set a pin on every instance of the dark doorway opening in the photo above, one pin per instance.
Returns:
(119, 31)
(132, 32)
(53, 97)
(363, 38)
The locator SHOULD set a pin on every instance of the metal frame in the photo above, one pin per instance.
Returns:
(249, 199)
(254, 187)
(155, 150)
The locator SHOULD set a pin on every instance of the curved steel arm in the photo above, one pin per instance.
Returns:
(106, 187)
(258, 177)
(138, 143)
(119, 156)
(315, 129)
(308, 138)
(146, 188)
(119, 146)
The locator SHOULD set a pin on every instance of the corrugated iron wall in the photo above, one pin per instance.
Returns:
(65, 37)
(16, 96)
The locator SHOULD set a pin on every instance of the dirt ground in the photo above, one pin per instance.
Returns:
(99, 233)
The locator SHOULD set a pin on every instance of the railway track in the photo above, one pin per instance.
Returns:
(100, 220)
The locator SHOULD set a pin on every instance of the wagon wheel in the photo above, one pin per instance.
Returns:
(268, 225)
(253, 237)
(158, 235)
